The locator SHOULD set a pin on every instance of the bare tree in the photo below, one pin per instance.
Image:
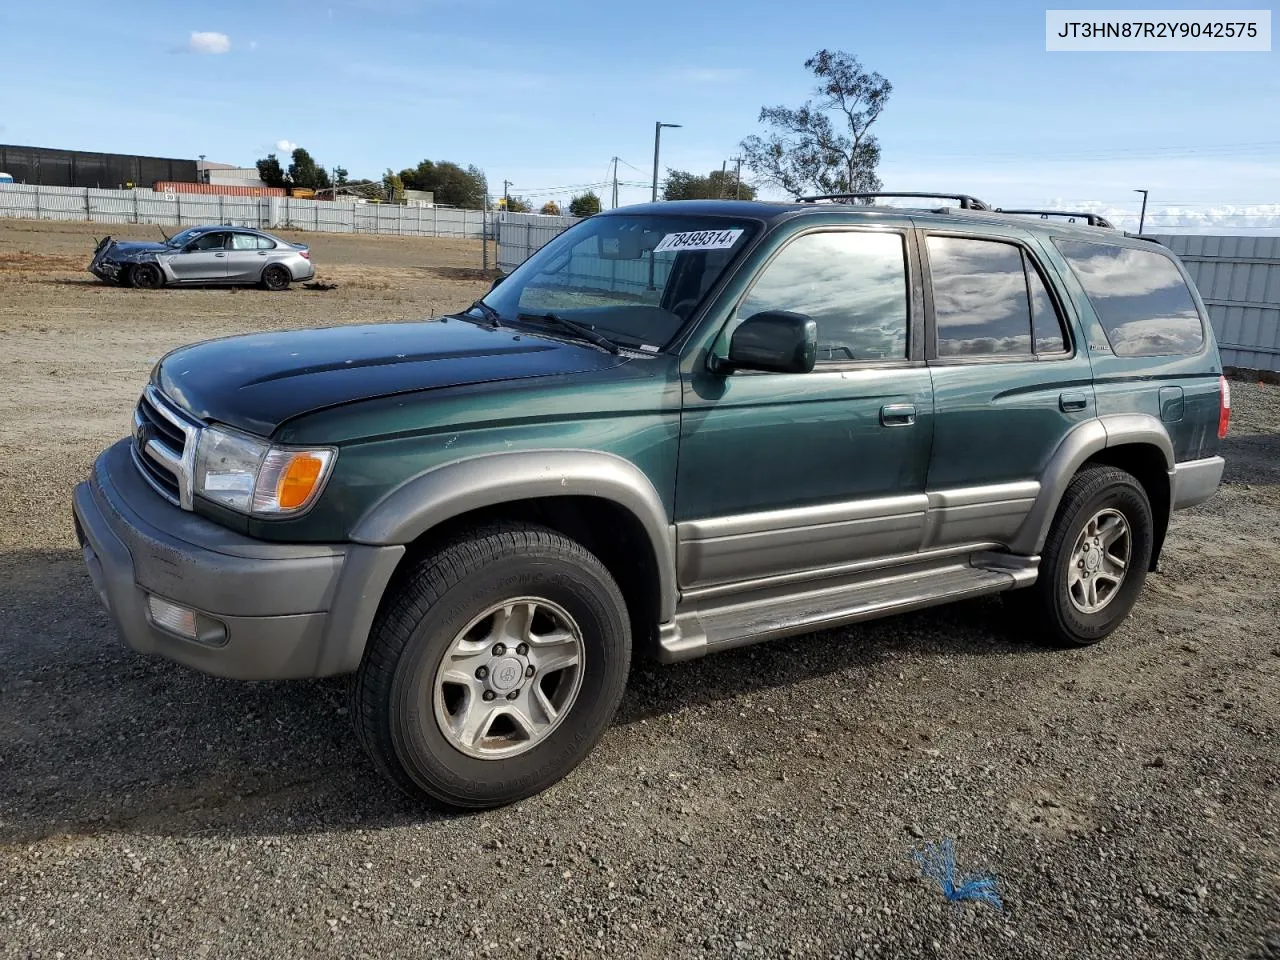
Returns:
(824, 147)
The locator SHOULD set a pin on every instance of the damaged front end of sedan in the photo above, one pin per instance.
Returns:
(125, 262)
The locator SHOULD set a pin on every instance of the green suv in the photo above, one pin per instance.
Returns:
(678, 428)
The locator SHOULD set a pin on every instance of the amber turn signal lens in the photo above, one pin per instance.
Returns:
(298, 480)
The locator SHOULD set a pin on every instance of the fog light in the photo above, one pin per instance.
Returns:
(180, 620)
(186, 623)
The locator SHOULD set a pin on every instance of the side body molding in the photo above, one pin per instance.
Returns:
(1082, 442)
(450, 489)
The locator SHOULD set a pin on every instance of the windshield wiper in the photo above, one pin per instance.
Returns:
(490, 314)
(585, 332)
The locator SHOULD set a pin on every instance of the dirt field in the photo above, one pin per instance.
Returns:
(759, 803)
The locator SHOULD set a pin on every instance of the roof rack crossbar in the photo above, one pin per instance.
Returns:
(966, 202)
(1093, 219)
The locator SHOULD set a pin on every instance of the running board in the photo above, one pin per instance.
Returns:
(710, 626)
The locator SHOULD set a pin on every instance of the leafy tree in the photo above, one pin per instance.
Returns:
(393, 186)
(451, 184)
(270, 172)
(585, 205)
(516, 205)
(305, 172)
(808, 149)
(717, 185)
(550, 208)
(340, 177)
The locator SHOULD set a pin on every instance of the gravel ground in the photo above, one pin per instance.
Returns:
(759, 803)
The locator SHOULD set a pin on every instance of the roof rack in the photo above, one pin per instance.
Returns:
(966, 202)
(1093, 219)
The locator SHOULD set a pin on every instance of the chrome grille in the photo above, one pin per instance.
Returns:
(164, 447)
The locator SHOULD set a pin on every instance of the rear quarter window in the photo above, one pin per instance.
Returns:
(1144, 305)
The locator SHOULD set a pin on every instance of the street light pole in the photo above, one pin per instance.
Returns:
(657, 139)
(1142, 217)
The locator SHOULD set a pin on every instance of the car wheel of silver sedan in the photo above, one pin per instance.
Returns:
(276, 277)
(146, 276)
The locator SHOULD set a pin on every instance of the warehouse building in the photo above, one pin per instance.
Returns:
(78, 168)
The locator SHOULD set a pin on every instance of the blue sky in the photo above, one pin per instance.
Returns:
(544, 95)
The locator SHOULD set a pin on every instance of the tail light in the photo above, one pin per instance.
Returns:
(1224, 406)
(305, 253)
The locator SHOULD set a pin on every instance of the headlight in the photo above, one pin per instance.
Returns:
(251, 476)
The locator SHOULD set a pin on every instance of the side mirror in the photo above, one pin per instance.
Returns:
(777, 341)
(497, 280)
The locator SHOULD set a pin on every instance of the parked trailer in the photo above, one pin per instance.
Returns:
(218, 189)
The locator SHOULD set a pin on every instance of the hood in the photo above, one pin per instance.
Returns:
(127, 248)
(257, 382)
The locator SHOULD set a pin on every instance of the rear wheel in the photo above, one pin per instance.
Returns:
(276, 277)
(146, 276)
(493, 669)
(1095, 560)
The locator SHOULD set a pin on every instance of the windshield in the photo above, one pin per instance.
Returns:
(183, 237)
(635, 279)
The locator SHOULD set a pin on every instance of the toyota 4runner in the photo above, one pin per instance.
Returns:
(680, 427)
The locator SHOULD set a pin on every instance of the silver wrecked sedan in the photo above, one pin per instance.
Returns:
(204, 255)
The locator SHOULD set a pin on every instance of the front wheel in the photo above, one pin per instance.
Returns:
(494, 668)
(146, 276)
(276, 277)
(1095, 560)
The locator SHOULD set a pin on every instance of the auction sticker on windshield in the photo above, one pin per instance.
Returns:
(698, 240)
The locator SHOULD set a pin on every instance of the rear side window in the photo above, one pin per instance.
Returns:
(989, 299)
(266, 243)
(1140, 298)
(1046, 324)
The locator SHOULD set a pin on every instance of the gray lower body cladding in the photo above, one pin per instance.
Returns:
(264, 611)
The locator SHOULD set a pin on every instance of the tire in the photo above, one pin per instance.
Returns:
(1060, 601)
(276, 277)
(404, 706)
(146, 276)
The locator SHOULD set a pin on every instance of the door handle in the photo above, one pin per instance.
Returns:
(219, 254)
(897, 415)
(1072, 401)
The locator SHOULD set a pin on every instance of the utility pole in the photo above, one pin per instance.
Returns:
(506, 195)
(724, 166)
(657, 139)
(615, 183)
(737, 179)
(1142, 218)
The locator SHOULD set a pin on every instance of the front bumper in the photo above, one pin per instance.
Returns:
(266, 611)
(105, 270)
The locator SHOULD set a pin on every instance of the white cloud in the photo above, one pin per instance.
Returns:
(1200, 217)
(205, 42)
(286, 146)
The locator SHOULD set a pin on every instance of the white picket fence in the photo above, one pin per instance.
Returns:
(281, 213)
